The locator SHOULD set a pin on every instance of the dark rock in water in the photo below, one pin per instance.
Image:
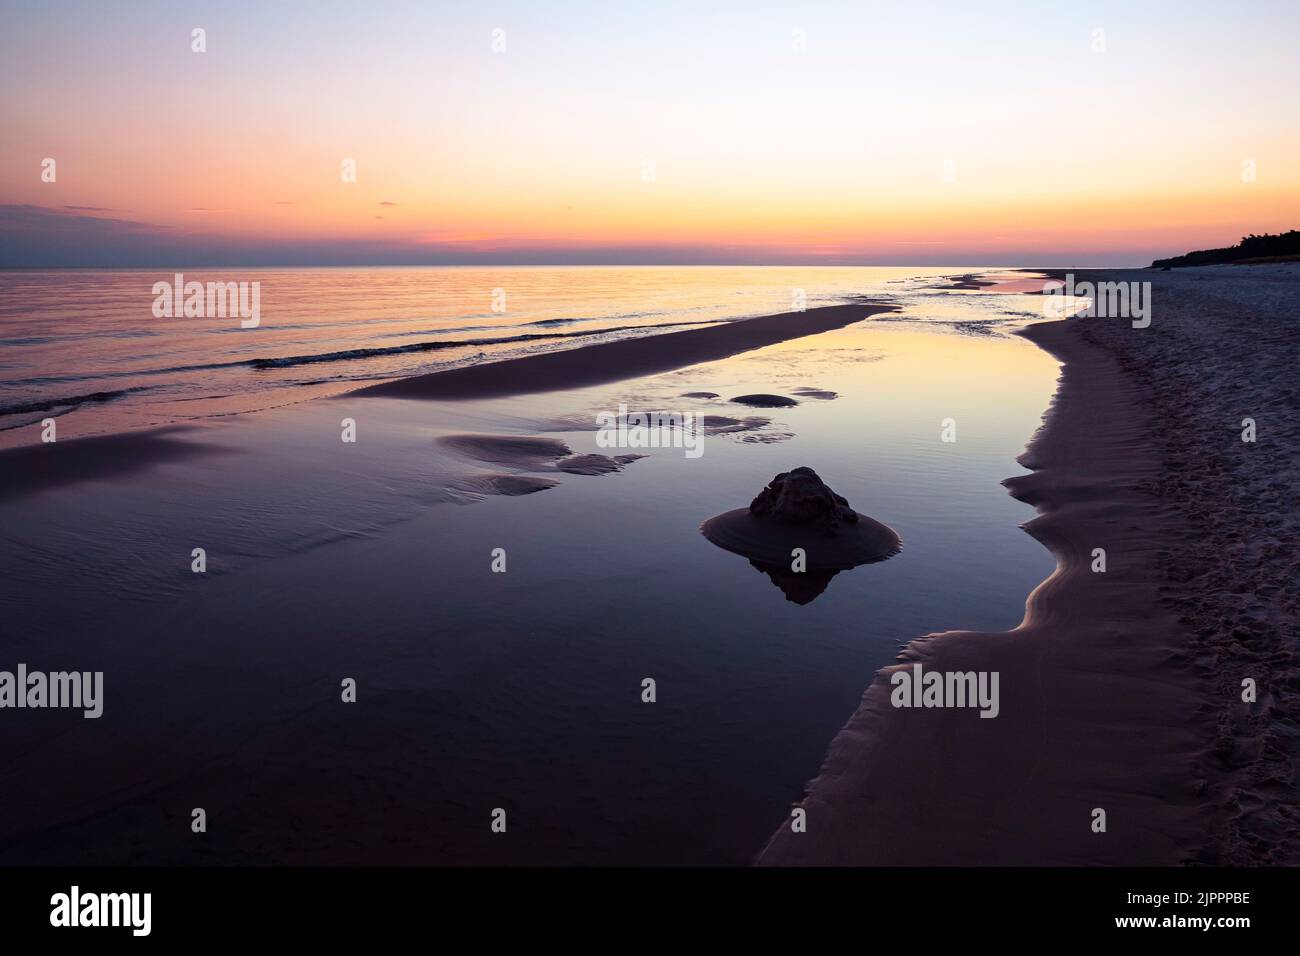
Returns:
(824, 394)
(797, 510)
(765, 401)
(801, 497)
(699, 394)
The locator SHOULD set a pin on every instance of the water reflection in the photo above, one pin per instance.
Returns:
(799, 587)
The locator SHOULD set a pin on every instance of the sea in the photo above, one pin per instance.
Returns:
(239, 568)
(90, 342)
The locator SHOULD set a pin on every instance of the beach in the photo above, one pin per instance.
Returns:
(375, 560)
(694, 439)
(1122, 690)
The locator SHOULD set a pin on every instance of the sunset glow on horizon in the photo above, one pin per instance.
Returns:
(795, 133)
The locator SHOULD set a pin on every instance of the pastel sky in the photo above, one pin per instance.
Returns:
(929, 133)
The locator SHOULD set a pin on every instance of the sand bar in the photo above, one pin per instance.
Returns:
(628, 358)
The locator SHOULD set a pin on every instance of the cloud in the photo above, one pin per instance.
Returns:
(35, 237)
(39, 237)
(385, 202)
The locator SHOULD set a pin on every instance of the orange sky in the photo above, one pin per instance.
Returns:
(922, 134)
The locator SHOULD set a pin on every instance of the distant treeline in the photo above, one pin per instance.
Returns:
(1285, 246)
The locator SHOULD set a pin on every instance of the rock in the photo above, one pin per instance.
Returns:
(801, 497)
(797, 510)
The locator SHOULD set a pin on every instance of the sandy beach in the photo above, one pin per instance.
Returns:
(1121, 690)
(445, 441)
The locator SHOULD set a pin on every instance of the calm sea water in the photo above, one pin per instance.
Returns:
(480, 690)
(85, 345)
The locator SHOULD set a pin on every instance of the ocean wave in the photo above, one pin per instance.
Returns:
(290, 361)
(49, 404)
(552, 323)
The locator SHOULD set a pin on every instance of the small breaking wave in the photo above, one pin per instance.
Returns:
(49, 404)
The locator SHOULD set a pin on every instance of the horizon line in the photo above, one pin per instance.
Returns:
(560, 265)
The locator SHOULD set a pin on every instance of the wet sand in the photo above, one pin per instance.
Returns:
(1120, 691)
(628, 358)
(40, 467)
(36, 467)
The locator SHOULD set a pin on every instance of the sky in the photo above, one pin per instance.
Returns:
(995, 133)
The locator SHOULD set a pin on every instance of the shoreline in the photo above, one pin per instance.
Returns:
(1120, 690)
(1020, 789)
(626, 358)
(37, 465)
